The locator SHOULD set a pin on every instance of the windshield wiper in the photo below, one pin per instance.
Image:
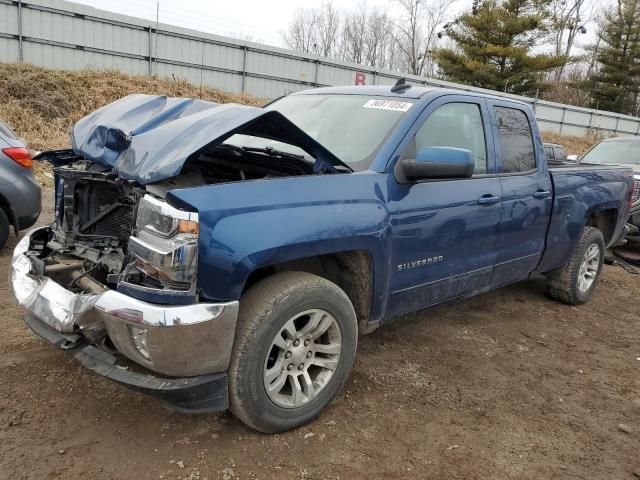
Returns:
(275, 153)
(319, 165)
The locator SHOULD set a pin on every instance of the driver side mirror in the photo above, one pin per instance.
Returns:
(436, 163)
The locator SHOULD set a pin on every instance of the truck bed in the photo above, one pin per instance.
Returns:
(584, 191)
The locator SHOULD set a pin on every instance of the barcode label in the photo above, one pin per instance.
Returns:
(388, 105)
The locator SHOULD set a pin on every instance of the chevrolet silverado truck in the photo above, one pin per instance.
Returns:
(227, 256)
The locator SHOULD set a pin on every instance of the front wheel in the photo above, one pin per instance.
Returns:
(295, 345)
(574, 283)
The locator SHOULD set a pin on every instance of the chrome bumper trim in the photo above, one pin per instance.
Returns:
(182, 340)
(173, 258)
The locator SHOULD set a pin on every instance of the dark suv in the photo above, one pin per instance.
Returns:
(20, 195)
(555, 153)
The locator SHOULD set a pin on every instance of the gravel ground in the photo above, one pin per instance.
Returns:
(506, 385)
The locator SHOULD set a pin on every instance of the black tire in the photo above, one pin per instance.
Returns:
(264, 310)
(563, 283)
(4, 228)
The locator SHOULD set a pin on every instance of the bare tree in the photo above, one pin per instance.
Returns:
(594, 50)
(417, 32)
(327, 25)
(569, 18)
(379, 39)
(314, 30)
(368, 35)
(354, 35)
(301, 33)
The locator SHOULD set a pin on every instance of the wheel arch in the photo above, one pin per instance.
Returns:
(10, 212)
(604, 220)
(351, 270)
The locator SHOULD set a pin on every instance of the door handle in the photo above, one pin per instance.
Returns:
(488, 200)
(542, 194)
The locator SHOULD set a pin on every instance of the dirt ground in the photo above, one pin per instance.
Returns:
(506, 385)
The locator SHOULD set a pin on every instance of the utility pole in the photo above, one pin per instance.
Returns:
(20, 47)
(157, 26)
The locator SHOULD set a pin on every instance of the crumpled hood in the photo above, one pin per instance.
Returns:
(148, 138)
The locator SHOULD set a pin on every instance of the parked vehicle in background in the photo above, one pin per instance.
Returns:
(620, 151)
(555, 153)
(236, 253)
(20, 194)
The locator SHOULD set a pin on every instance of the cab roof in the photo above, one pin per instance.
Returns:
(373, 90)
(414, 92)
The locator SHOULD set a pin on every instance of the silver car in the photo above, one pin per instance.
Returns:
(20, 194)
(620, 151)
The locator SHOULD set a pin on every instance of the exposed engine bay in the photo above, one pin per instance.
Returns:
(101, 240)
(114, 228)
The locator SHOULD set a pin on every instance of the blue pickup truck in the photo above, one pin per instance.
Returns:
(225, 256)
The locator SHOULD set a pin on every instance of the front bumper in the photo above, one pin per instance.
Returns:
(178, 341)
(204, 393)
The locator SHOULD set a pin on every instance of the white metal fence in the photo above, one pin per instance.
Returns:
(66, 35)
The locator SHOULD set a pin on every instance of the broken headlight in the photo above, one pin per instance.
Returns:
(165, 245)
(159, 218)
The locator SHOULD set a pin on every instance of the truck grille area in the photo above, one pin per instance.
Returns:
(108, 213)
(93, 208)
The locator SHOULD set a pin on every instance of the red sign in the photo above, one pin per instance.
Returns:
(361, 78)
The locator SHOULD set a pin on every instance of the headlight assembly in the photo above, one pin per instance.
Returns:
(165, 245)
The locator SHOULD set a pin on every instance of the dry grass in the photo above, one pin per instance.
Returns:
(42, 105)
(573, 145)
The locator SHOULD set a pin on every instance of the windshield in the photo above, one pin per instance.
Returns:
(618, 151)
(352, 127)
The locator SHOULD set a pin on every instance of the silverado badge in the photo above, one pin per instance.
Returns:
(419, 263)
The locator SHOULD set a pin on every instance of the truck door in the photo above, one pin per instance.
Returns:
(526, 192)
(444, 232)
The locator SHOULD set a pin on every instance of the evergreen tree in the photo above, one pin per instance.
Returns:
(494, 42)
(615, 87)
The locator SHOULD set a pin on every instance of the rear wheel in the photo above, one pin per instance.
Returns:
(4, 228)
(574, 283)
(295, 346)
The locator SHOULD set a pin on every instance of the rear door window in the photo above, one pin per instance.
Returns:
(516, 140)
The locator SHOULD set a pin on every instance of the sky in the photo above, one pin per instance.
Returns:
(260, 21)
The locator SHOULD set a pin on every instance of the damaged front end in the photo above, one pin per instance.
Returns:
(116, 268)
(57, 292)
(39, 289)
(114, 229)
(110, 234)
(178, 353)
(94, 219)
(115, 274)
(106, 330)
(116, 271)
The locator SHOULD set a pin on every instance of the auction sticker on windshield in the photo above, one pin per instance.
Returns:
(388, 105)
